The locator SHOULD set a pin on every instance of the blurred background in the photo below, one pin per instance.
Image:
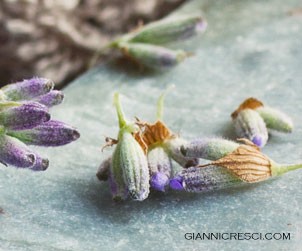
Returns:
(58, 39)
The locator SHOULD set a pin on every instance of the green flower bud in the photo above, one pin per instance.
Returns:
(152, 56)
(275, 120)
(129, 159)
(208, 148)
(168, 30)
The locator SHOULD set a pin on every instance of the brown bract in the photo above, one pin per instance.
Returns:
(246, 162)
(151, 134)
(250, 103)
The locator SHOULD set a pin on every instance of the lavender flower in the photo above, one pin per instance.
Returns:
(25, 116)
(50, 133)
(252, 119)
(51, 99)
(13, 152)
(27, 89)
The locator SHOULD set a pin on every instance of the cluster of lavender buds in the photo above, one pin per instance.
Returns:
(252, 120)
(148, 45)
(142, 157)
(25, 120)
(145, 156)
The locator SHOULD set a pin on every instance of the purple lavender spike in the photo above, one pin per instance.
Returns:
(27, 89)
(50, 133)
(25, 116)
(50, 99)
(14, 152)
(41, 164)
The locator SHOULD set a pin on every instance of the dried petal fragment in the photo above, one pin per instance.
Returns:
(250, 103)
(151, 134)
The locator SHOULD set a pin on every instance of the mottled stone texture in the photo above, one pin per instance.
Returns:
(251, 48)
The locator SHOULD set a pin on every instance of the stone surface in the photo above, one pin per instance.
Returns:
(251, 48)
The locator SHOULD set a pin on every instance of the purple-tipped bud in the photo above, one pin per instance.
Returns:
(41, 164)
(176, 183)
(209, 148)
(248, 124)
(204, 179)
(27, 89)
(152, 56)
(159, 181)
(25, 116)
(51, 99)
(160, 167)
(104, 170)
(50, 133)
(14, 152)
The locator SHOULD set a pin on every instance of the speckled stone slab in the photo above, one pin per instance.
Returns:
(251, 48)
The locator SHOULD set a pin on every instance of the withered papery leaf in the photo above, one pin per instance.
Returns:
(151, 134)
(250, 103)
(247, 163)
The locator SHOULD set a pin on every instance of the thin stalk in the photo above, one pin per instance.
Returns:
(120, 114)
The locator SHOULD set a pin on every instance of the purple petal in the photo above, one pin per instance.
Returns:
(176, 183)
(14, 152)
(26, 116)
(257, 140)
(51, 99)
(28, 89)
(158, 181)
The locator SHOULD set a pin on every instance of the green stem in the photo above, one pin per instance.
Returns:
(120, 114)
(281, 169)
(160, 103)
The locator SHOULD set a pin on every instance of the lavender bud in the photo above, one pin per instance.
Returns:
(169, 30)
(25, 116)
(27, 89)
(174, 146)
(41, 164)
(152, 56)
(134, 165)
(50, 133)
(204, 179)
(14, 152)
(51, 99)
(118, 186)
(129, 158)
(209, 148)
(248, 124)
(160, 168)
(275, 119)
(104, 169)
